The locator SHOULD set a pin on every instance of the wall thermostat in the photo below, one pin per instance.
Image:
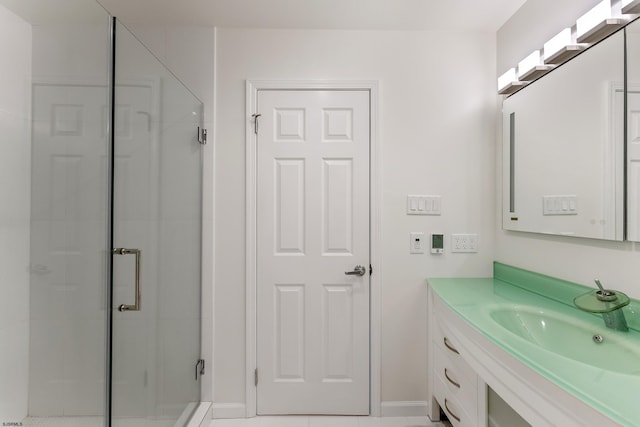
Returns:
(437, 243)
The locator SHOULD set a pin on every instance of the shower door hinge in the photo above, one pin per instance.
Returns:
(199, 368)
(255, 377)
(370, 270)
(255, 122)
(202, 135)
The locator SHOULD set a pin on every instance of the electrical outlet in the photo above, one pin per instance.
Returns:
(416, 242)
(464, 243)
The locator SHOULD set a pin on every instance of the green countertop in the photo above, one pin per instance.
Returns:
(615, 394)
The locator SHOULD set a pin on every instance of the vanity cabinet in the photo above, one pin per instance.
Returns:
(470, 354)
(456, 388)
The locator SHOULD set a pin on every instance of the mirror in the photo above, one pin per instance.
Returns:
(563, 138)
(633, 131)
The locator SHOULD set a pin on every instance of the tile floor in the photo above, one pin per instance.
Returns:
(325, 421)
(91, 422)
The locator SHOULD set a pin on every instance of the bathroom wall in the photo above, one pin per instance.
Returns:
(437, 110)
(15, 170)
(575, 259)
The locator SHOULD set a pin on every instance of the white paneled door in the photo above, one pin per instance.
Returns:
(313, 228)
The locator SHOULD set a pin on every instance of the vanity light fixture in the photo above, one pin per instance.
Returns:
(561, 48)
(630, 6)
(508, 83)
(532, 67)
(599, 22)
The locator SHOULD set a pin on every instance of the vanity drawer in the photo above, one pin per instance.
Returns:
(452, 361)
(459, 380)
(454, 409)
(445, 341)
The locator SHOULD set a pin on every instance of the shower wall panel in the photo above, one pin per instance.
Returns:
(69, 216)
(15, 168)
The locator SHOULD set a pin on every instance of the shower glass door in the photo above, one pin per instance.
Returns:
(157, 176)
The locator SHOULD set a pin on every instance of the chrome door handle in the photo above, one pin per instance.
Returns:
(359, 270)
(136, 303)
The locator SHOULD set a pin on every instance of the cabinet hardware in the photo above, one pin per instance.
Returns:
(449, 346)
(446, 375)
(446, 406)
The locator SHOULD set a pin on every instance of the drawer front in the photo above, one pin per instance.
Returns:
(445, 358)
(444, 341)
(452, 407)
(459, 380)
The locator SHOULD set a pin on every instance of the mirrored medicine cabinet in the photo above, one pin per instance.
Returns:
(571, 146)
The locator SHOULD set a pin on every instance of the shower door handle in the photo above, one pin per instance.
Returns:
(137, 252)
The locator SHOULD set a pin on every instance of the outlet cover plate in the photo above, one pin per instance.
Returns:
(464, 243)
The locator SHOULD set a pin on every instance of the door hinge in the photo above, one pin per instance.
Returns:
(199, 368)
(255, 122)
(370, 270)
(255, 377)
(202, 135)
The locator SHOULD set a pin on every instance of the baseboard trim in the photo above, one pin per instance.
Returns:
(229, 410)
(404, 408)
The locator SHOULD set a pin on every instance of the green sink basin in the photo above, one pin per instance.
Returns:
(571, 338)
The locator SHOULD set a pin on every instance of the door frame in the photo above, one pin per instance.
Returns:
(375, 204)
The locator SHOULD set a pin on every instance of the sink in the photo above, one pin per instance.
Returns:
(571, 338)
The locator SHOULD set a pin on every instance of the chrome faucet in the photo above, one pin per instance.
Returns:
(613, 319)
(607, 302)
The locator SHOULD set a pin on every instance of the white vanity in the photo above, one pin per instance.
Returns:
(519, 334)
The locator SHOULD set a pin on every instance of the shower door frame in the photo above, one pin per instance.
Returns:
(111, 106)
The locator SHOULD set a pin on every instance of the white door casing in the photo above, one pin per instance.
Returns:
(310, 201)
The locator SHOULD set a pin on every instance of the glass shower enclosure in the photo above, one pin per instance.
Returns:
(100, 224)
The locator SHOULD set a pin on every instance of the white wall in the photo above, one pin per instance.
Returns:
(15, 171)
(575, 259)
(437, 115)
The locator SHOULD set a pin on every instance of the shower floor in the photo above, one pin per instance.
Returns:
(92, 422)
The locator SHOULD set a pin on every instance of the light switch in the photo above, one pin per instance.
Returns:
(424, 205)
(560, 205)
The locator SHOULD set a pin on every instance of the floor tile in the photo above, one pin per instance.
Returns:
(327, 421)
(283, 421)
(239, 422)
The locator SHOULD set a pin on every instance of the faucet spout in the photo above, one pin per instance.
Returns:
(615, 320)
(607, 302)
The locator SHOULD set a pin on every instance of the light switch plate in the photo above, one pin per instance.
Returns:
(560, 205)
(424, 205)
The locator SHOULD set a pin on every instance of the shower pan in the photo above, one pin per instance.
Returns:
(100, 224)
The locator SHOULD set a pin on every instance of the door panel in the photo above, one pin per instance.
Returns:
(312, 227)
(157, 211)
